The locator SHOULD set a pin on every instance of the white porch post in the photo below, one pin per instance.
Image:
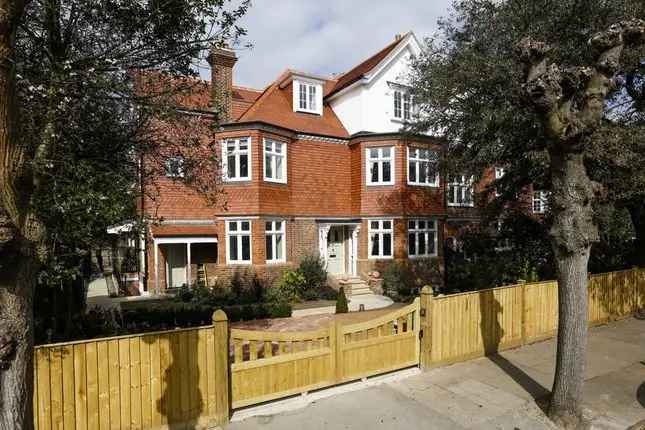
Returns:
(188, 278)
(323, 231)
(355, 233)
(156, 247)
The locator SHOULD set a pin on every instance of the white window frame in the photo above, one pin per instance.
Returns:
(237, 152)
(380, 159)
(239, 233)
(380, 231)
(271, 235)
(273, 156)
(429, 232)
(541, 197)
(464, 185)
(499, 174)
(312, 95)
(418, 162)
(181, 173)
(405, 109)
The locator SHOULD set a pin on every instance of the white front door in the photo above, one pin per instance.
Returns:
(176, 265)
(336, 250)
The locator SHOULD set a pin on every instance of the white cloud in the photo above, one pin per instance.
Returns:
(325, 37)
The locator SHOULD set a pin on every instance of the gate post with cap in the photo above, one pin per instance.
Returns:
(426, 327)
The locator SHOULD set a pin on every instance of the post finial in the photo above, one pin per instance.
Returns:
(427, 290)
(219, 316)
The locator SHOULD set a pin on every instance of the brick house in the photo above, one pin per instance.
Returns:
(310, 165)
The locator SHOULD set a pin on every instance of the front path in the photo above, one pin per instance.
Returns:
(488, 393)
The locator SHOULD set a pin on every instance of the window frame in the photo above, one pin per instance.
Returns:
(237, 152)
(272, 234)
(543, 199)
(425, 231)
(312, 96)
(380, 159)
(380, 231)
(273, 155)
(239, 233)
(418, 161)
(499, 174)
(402, 105)
(463, 185)
(181, 172)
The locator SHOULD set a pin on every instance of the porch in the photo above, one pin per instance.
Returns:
(184, 256)
(338, 246)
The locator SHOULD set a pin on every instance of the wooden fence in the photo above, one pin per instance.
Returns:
(180, 378)
(175, 379)
(463, 326)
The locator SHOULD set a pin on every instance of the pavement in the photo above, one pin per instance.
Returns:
(500, 392)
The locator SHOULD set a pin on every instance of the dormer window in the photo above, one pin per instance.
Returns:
(307, 97)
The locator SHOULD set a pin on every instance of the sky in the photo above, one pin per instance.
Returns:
(324, 36)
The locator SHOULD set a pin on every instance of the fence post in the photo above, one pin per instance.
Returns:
(221, 367)
(523, 318)
(337, 350)
(426, 327)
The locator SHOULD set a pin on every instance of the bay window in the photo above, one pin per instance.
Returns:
(275, 244)
(237, 159)
(380, 166)
(381, 235)
(275, 161)
(422, 167)
(238, 239)
(422, 238)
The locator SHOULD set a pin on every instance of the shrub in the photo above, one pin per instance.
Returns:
(288, 289)
(403, 280)
(341, 302)
(315, 277)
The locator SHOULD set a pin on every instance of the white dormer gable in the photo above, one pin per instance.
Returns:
(378, 101)
(307, 92)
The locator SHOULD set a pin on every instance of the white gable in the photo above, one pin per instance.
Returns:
(368, 104)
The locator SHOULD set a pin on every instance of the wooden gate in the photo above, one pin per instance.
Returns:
(270, 365)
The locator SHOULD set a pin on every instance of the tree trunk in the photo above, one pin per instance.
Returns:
(572, 233)
(566, 397)
(17, 284)
(637, 214)
(20, 237)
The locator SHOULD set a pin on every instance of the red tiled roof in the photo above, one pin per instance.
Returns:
(183, 230)
(275, 106)
(348, 78)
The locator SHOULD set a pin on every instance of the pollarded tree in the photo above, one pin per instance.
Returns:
(570, 102)
(471, 86)
(74, 125)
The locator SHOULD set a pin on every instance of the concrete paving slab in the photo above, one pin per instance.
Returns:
(374, 408)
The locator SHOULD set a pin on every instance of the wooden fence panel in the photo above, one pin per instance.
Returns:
(469, 325)
(130, 382)
(540, 310)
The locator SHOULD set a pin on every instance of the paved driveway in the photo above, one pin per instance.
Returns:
(487, 393)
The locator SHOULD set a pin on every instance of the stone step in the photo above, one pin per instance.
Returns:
(361, 290)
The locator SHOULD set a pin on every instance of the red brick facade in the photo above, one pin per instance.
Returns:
(326, 186)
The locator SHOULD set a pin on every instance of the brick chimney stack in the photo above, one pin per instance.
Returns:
(222, 61)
